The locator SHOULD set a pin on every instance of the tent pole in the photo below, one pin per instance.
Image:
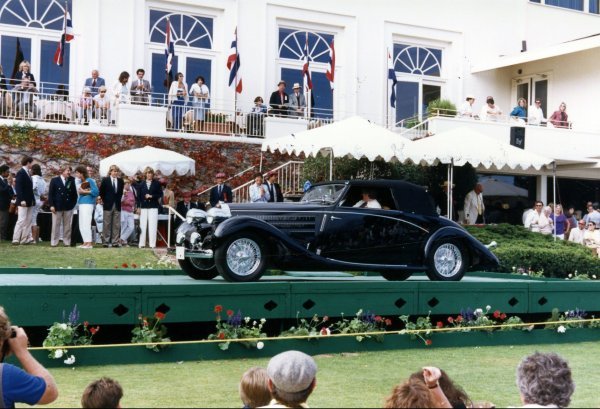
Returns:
(448, 201)
(331, 164)
(554, 196)
(451, 189)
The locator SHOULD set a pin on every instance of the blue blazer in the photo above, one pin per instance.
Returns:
(108, 195)
(62, 197)
(24, 188)
(155, 191)
(225, 196)
(6, 194)
(99, 82)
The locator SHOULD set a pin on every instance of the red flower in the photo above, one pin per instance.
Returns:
(459, 319)
(229, 313)
(133, 265)
(94, 330)
(218, 308)
(450, 320)
(496, 314)
(125, 265)
(440, 324)
(145, 323)
(221, 335)
(85, 324)
(388, 322)
(325, 318)
(428, 342)
(503, 316)
(377, 318)
(159, 315)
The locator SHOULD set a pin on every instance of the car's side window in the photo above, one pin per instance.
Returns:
(377, 198)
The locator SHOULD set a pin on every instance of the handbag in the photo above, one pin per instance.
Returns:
(12, 209)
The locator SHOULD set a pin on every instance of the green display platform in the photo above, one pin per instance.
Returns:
(40, 299)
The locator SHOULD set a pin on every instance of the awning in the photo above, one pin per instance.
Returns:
(556, 50)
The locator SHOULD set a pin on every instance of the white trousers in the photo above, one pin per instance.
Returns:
(23, 226)
(148, 223)
(127, 225)
(85, 221)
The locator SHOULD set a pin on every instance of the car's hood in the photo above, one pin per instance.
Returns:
(246, 208)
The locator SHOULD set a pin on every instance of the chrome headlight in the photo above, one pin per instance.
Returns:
(210, 219)
(180, 238)
(195, 237)
(194, 215)
(222, 212)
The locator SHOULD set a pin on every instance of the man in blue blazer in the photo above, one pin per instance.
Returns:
(94, 82)
(62, 198)
(25, 202)
(221, 192)
(111, 192)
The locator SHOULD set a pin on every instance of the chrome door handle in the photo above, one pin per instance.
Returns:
(335, 218)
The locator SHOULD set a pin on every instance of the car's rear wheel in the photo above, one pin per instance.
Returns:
(395, 275)
(447, 261)
(199, 268)
(241, 258)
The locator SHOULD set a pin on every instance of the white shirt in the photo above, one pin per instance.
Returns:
(535, 115)
(201, 89)
(256, 195)
(576, 235)
(371, 204)
(465, 110)
(490, 114)
(532, 221)
(39, 187)
(473, 206)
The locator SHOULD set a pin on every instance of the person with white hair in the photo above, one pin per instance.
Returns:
(292, 378)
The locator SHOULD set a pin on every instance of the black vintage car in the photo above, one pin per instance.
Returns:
(396, 233)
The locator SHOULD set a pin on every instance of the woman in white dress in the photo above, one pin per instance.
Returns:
(200, 93)
(121, 93)
(39, 192)
(178, 97)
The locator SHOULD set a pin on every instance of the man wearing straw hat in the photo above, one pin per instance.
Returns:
(297, 102)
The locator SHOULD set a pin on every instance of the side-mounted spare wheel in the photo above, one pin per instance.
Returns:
(447, 261)
(241, 257)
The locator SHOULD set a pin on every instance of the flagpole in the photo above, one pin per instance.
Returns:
(387, 90)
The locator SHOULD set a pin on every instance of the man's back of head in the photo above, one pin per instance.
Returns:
(292, 377)
(103, 393)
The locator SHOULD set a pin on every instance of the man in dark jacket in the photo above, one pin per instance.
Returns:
(279, 101)
(6, 195)
(184, 205)
(111, 192)
(25, 202)
(62, 198)
(221, 192)
(275, 194)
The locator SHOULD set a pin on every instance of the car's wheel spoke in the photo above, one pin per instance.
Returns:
(243, 256)
(447, 259)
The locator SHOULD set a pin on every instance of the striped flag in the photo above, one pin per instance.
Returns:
(169, 54)
(330, 74)
(392, 76)
(308, 85)
(233, 65)
(67, 36)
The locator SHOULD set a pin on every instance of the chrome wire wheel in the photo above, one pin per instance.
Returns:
(448, 260)
(202, 263)
(243, 256)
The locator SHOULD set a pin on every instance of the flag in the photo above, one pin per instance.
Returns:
(330, 74)
(233, 65)
(169, 55)
(306, 69)
(392, 76)
(19, 57)
(67, 36)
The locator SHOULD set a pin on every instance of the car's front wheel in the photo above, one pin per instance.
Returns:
(395, 275)
(199, 268)
(241, 258)
(447, 261)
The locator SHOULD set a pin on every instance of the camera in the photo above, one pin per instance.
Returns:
(6, 346)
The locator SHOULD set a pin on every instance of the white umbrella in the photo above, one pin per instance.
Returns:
(163, 160)
(353, 137)
(495, 187)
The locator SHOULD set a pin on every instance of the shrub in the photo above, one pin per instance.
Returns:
(520, 248)
(442, 107)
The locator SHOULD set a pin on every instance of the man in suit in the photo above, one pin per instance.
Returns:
(62, 198)
(279, 101)
(94, 83)
(111, 192)
(474, 207)
(183, 206)
(140, 89)
(25, 202)
(6, 194)
(221, 192)
(297, 102)
(275, 194)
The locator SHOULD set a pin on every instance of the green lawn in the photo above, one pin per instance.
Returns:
(42, 255)
(347, 380)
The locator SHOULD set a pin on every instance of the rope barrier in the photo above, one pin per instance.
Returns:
(308, 337)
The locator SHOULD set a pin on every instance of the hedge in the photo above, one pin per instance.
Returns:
(519, 248)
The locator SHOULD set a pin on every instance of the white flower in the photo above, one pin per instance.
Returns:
(260, 345)
(247, 319)
(62, 326)
(58, 353)
(487, 307)
(262, 320)
(254, 323)
(70, 360)
(561, 329)
(570, 275)
(478, 312)
(594, 276)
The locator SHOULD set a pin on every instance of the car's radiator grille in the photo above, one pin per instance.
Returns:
(290, 224)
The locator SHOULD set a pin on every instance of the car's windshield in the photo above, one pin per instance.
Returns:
(323, 193)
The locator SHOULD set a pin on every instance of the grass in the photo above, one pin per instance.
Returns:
(346, 380)
(42, 255)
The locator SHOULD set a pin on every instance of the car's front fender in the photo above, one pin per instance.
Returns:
(485, 257)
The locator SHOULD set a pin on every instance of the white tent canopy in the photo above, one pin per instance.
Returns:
(163, 160)
(463, 145)
(354, 137)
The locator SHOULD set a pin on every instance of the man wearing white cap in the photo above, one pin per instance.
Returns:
(466, 108)
(292, 378)
(297, 101)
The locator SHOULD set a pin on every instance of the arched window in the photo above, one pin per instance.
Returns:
(192, 36)
(292, 45)
(38, 24)
(417, 60)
